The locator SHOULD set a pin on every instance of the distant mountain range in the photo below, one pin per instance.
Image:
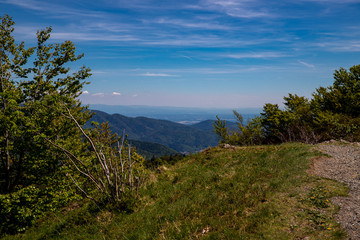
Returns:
(180, 137)
(184, 115)
(153, 137)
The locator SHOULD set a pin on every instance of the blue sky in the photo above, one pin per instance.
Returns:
(200, 53)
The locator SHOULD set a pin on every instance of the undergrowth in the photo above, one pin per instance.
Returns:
(261, 192)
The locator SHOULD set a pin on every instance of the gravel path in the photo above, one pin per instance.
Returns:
(343, 166)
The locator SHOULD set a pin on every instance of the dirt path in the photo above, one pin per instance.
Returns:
(343, 166)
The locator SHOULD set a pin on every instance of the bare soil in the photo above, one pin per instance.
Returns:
(343, 166)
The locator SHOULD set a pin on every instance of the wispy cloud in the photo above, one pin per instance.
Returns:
(98, 94)
(256, 55)
(98, 72)
(193, 24)
(92, 37)
(332, 1)
(187, 57)
(238, 9)
(116, 93)
(340, 45)
(148, 74)
(52, 9)
(306, 64)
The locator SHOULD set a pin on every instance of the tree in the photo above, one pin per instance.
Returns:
(247, 134)
(343, 96)
(43, 146)
(337, 108)
(13, 57)
(116, 172)
(31, 98)
(221, 130)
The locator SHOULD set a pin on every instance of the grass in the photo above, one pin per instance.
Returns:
(261, 192)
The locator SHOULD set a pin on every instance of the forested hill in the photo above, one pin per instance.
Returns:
(208, 125)
(177, 136)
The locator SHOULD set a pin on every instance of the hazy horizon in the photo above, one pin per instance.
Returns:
(185, 115)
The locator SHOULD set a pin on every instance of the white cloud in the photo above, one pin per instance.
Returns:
(53, 9)
(98, 72)
(193, 24)
(157, 75)
(116, 93)
(238, 9)
(332, 1)
(256, 55)
(341, 46)
(92, 37)
(306, 64)
(85, 92)
(98, 94)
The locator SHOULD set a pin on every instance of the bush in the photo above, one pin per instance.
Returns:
(22, 208)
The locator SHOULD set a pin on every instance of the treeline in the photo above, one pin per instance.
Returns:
(332, 113)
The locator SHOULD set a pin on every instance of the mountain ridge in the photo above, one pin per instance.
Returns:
(180, 137)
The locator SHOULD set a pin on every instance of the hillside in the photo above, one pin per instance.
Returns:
(208, 125)
(179, 137)
(262, 192)
(149, 150)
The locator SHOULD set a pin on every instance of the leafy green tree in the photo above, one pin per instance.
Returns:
(43, 146)
(343, 96)
(246, 134)
(13, 57)
(294, 123)
(221, 130)
(274, 122)
(337, 108)
(33, 97)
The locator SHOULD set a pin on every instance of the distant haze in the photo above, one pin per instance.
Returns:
(177, 114)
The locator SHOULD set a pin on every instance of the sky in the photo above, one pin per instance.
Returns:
(198, 53)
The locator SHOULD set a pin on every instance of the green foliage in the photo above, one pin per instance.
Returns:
(31, 103)
(154, 162)
(221, 130)
(337, 108)
(32, 100)
(42, 143)
(343, 96)
(23, 207)
(249, 134)
(294, 123)
(101, 167)
(332, 113)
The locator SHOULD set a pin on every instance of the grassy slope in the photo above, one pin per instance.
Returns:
(259, 192)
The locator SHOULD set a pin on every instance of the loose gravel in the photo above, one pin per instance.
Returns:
(343, 166)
